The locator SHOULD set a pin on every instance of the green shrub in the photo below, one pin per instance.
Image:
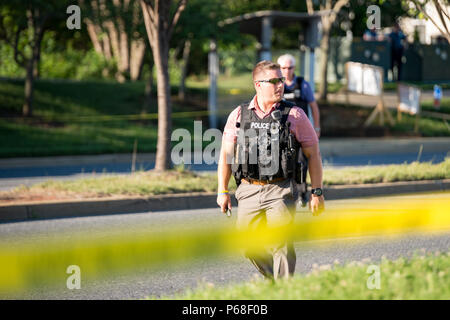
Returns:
(60, 62)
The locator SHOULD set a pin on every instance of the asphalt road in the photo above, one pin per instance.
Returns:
(220, 271)
(16, 176)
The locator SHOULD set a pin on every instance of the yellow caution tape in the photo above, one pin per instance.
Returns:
(24, 265)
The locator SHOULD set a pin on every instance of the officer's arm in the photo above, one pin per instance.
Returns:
(224, 174)
(316, 203)
(314, 164)
(224, 167)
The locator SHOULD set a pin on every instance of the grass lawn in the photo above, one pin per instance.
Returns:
(444, 108)
(180, 181)
(56, 128)
(241, 83)
(420, 277)
(87, 117)
(428, 127)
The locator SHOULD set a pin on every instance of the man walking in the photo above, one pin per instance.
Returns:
(397, 39)
(259, 148)
(298, 90)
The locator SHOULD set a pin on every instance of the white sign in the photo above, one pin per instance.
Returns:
(364, 79)
(409, 99)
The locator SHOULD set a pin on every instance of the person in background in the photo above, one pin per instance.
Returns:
(298, 91)
(396, 38)
(372, 35)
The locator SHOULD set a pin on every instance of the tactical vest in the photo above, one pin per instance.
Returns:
(294, 94)
(265, 148)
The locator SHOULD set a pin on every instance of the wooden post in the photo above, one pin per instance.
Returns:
(381, 106)
(380, 109)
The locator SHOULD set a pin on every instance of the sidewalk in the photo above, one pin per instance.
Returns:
(108, 206)
(328, 147)
(389, 97)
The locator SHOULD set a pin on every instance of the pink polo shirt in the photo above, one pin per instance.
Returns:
(300, 125)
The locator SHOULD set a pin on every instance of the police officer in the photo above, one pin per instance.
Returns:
(268, 128)
(298, 90)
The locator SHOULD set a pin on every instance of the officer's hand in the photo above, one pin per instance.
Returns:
(224, 202)
(317, 204)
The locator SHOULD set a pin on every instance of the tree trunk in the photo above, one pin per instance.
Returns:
(37, 63)
(27, 108)
(106, 47)
(137, 54)
(115, 41)
(93, 31)
(327, 23)
(124, 52)
(159, 28)
(148, 92)
(34, 20)
(161, 58)
(184, 65)
(325, 51)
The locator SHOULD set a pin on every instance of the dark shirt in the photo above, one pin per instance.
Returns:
(396, 40)
(306, 91)
(372, 34)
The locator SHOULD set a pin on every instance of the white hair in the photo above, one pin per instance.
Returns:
(287, 56)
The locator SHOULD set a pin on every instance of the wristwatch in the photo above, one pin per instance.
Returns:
(317, 192)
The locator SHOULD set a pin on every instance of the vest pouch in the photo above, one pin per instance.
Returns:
(290, 165)
(284, 163)
(299, 173)
(301, 168)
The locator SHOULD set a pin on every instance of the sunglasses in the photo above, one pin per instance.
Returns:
(273, 80)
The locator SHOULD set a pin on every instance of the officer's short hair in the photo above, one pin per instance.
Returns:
(287, 56)
(264, 65)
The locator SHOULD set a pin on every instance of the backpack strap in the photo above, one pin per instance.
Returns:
(300, 84)
(285, 108)
(245, 114)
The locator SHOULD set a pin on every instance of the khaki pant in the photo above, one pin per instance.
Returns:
(270, 205)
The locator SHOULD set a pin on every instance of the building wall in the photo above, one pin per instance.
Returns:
(427, 30)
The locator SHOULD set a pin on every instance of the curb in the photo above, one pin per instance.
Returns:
(95, 207)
